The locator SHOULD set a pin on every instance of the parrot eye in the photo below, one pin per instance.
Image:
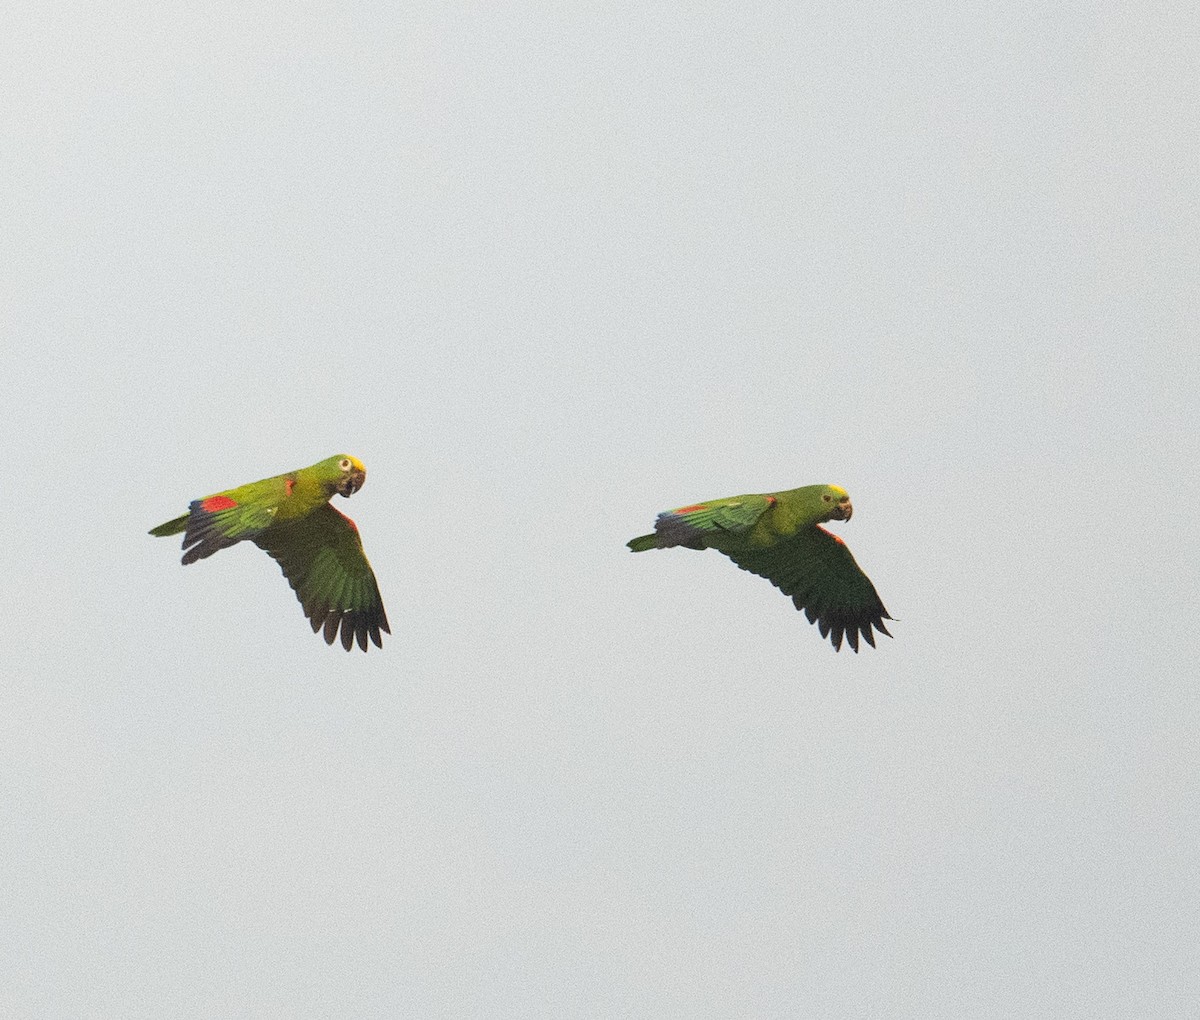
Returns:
(826, 497)
(344, 463)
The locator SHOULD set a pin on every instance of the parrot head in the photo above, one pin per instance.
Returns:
(838, 499)
(344, 473)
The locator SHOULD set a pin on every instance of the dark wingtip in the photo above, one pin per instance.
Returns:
(348, 626)
(838, 631)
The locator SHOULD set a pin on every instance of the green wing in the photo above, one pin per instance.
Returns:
(737, 514)
(217, 522)
(694, 526)
(816, 569)
(322, 557)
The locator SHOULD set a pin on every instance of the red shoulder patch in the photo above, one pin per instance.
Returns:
(353, 526)
(290, 484)
(690, 509)
(215, 503)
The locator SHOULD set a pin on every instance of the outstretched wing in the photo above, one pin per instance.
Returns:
(322, 557)
(217, 522)
(816, 569)
(690, 525)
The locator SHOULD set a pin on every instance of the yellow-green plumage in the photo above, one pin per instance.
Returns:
(318, 548)
(777, 535)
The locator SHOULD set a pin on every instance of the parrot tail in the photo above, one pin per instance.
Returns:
(643, 542)
(174, 527)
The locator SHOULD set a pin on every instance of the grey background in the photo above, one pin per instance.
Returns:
(550, 268)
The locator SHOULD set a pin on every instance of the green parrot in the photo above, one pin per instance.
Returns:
(318, 549)
(778, 536)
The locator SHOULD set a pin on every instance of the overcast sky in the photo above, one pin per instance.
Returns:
(548, 269)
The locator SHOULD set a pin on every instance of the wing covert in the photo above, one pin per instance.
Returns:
(689, 525)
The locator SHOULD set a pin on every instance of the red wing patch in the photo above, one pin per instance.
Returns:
(291, 484)
(215, 503)
(690, 509)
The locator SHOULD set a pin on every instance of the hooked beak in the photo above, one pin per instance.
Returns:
(844, 510)
(351, 483)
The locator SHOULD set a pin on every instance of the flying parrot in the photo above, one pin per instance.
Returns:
(318, 548)
(778, 536)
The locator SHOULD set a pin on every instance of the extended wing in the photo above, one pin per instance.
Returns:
(322, 557)
(816, 569)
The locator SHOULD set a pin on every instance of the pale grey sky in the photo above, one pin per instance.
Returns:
(549, 268)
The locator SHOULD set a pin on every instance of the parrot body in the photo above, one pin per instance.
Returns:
(318, 548)
(778, 536)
